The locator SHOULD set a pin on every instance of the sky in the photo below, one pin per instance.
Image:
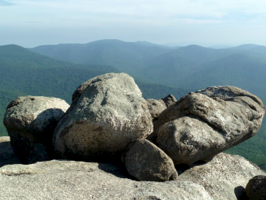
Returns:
(31, 23)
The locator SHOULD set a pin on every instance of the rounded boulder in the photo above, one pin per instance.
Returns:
(30, 122)
(106, 114)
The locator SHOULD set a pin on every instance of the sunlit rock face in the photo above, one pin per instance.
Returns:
(107, 113)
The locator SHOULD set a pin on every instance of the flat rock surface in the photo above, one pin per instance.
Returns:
(222, 178)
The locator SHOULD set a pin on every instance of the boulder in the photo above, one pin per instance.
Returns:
(224, 177)
(146, 162)
(203, 124)
(30, 122)
(169, 100)
(188, 140)
(106, 114)
(156, 107)
(256, 188)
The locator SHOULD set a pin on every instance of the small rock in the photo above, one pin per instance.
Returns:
(156, 107)
(169, 100)
(146, 162)
(256, 188)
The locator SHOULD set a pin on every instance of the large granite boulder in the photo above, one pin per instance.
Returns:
(256, 188)
(30, 122)
(146, 162)
(202, 124)
(106, 114)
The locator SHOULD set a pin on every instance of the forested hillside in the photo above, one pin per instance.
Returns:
(23, 72)
(191, 67)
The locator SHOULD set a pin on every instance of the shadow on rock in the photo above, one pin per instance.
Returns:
(117, 170)
(240, 193)
(7, 156)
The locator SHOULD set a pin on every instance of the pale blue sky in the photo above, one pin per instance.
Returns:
(31, 23)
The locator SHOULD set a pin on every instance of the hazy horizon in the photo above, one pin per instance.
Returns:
(30, 23)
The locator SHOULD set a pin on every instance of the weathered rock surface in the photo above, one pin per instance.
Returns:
(225, 177)
(256, 188)
(30, 122)
(107, 113)
(156, 107)
(146, 162)
(222, 178)
(169, 100)
(202, 124)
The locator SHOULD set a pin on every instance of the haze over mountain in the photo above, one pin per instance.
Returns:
(190, 67)
(23, 72)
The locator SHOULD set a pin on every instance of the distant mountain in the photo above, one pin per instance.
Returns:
(191, 67)
(23, 72)
(241, 70)
(126, 57)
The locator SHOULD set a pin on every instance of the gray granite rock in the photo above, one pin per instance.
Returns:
(107, 113)
(30, 122)
(156, 107)
(146, 162)
(222, 178)
(203, 124)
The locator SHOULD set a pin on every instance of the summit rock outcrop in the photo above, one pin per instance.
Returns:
(117, 145)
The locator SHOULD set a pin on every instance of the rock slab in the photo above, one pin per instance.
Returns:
(30, 122)
(222, 178)
(106, 114)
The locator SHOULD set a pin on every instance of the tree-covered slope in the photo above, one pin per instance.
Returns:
(240, 70)
(127, 57)
(23, 72)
